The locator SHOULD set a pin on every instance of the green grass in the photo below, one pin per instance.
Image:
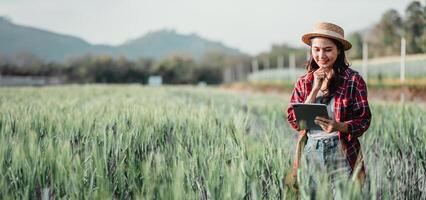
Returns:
(100, 142)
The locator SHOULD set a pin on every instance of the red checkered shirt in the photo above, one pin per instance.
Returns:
(350, 106)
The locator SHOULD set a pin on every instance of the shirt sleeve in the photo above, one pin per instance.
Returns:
(361, 118)
(297, 96)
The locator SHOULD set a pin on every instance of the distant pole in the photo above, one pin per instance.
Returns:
(292, 60)
(402, 77)
(231, 74)
(266, 63)
(280, 62)
(240, 72)
(227, 75)
(234, 74)
(245, 71)
(254, 66)
(365, 60)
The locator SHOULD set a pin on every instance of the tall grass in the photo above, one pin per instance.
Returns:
(180, 143)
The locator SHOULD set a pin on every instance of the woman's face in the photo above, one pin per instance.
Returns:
(324, 52)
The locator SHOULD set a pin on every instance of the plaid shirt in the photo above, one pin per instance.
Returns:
(350, 106)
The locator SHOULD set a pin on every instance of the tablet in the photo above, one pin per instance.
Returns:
(306, 113)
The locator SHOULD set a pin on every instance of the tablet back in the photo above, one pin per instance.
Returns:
(306, 113)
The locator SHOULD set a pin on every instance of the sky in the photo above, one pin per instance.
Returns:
(251, 26)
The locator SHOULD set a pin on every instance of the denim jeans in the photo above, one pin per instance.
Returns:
(323, 157)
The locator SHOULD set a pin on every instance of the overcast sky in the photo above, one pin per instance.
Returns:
(249, 25)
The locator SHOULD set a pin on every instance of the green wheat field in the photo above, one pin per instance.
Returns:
(137, 142)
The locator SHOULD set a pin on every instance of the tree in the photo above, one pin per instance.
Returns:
(176, 69)
(414, 27)
(356, 41)
(423, 37)
(387, 34)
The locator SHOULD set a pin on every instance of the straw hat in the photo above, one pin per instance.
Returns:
(328, 30)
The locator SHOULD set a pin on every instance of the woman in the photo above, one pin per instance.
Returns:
(330, 81)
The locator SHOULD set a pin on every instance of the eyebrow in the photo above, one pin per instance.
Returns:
(327, 47)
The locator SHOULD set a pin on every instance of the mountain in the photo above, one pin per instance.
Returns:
(162, 43)
(16, 39)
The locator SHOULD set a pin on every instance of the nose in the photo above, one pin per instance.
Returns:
(322, 54)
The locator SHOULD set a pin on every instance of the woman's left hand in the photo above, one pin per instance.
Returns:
(329, 125)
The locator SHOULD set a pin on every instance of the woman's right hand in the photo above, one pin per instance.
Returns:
(319, 76)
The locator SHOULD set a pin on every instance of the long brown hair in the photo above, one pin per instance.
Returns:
(339, 66)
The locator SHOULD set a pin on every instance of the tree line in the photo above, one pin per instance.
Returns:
(175, 69)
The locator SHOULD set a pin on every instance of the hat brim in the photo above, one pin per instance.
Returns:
(307, 39)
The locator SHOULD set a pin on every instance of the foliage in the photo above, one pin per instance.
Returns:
(415, 27)
(175, 70)
(356, 40)
(386, 37)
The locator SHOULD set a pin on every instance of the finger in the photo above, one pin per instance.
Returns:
(323, 119)
(320, 70)
(327, 118)
(319, 119)
(319, 75)
(320, 123)
(323, 127)
(330, 75)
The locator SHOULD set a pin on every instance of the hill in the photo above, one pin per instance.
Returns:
(17, 39)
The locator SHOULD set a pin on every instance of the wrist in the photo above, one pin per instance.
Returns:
(314, 92)
(343, 127)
